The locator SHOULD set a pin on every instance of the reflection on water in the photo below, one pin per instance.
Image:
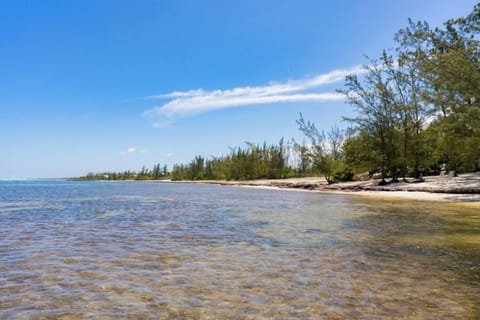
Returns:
(108, 250)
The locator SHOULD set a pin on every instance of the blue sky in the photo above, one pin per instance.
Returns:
(114, 85)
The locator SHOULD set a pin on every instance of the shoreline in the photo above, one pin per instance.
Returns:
(462, 189)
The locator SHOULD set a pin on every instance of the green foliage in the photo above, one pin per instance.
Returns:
(252, 162)
(324, 152)
(360, 154)
(304, 164)
(144, 174)
(420, 108)
(448, 62)
(345, 175)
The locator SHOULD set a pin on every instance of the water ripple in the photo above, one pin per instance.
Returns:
(179, 251)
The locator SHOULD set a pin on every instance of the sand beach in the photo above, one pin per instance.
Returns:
(463, 188)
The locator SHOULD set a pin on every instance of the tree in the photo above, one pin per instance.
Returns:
(360, 153)
(156, 173)
(335, 138)
(448, 60)
(164, 171)
(324, 154)
(304, 162)
(378, 116)
(197, 168)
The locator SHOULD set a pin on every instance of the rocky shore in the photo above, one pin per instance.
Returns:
(465, 187)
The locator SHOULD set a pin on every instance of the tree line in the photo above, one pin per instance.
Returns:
(418, 106)
(254, 161)
(417, 112)
(156, 173)
(251, 162)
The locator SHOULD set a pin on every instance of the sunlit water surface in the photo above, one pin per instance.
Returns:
(71, 250)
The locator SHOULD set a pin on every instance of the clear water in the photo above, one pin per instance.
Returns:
(73, 250)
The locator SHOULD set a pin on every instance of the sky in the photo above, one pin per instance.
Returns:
(92, 86)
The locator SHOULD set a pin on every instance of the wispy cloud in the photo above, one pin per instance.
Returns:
(129, 151)
(187, 103)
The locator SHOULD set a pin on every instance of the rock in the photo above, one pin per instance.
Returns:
(377, 176)
(362, 177)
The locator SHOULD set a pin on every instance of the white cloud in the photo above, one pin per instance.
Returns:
(195, 105)
(128, 151)
(186, 103)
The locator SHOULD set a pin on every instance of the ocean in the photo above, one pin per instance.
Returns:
(103, 250)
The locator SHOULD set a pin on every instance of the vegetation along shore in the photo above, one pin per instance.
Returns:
(417, 127)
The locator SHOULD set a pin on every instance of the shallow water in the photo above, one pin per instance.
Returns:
(71, 250)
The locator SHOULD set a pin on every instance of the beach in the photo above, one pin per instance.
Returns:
(463, 188)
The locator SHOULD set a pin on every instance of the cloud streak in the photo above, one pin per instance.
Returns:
(128, 151)
(192, 102)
